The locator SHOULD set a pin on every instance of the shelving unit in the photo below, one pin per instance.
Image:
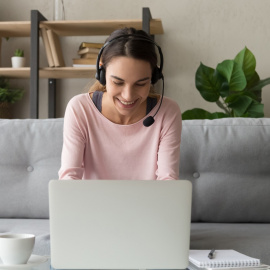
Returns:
(63, 28)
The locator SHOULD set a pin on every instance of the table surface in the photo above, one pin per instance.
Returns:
(44, 266)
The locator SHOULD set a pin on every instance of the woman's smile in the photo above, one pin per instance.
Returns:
(127, 104)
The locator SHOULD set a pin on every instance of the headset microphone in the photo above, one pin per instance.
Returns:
(147, 122)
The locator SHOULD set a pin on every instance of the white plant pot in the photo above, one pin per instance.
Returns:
(17, 61)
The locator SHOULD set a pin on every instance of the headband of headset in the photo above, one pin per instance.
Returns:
(157, 72)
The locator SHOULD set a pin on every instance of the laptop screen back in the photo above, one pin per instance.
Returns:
(118, 224)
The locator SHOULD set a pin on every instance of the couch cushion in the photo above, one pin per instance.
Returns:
(250, 239)
(38, 227)
(228, 162)
(30, 157)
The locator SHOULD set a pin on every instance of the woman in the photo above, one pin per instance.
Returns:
(104, 134)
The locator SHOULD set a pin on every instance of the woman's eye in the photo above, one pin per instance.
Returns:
(137, 84)
(118, 83)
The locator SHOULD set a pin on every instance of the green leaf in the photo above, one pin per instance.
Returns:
(233, 97)
(240, 105)
(3, 82)
(247, 61)
(252, 82)
(255, 110)
(225, 89)
(209, 83)
(259, 85)
(8, 94)
(254, 79)
(233, 74)
(202, 114)
(19, 53)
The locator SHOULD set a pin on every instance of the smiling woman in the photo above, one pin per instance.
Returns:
(105, 136)
(125, 100)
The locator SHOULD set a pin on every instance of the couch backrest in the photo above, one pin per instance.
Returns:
(30, 152)
(228, 162)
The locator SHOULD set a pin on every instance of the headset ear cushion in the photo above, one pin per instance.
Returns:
(97, 75)
(102, 76)
(156, 75)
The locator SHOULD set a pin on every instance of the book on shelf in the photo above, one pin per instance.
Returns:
(91, 45)
(89, 55)
(56, 48)
(47, 47)
(88, 50)
(84, 66)
(222, 259)
(84, 61)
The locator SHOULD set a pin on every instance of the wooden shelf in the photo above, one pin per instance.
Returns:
(77, 28)
(15, 72)
(15, 29)
(67, 72)
(98, 28)
(53, 73)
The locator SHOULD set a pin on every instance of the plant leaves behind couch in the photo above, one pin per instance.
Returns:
(8, 94)
(234, 86)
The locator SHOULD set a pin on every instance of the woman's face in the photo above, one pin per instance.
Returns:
(128, 82)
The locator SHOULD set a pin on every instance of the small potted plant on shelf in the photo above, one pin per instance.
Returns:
(18, 60)
(8, 96)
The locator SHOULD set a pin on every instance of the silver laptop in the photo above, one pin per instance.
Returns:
(120, 224)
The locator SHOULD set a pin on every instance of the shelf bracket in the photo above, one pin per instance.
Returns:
(52, 98)
(146, 18)
(36, 18)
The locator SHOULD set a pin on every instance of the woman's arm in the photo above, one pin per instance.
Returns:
(169, 147)
(72, 166)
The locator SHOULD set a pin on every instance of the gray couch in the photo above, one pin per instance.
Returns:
(227, 160)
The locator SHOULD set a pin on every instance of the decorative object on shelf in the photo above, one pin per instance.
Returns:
(88, 53)
(18, 60)
(234, 86)
(8, 96)
(55, 46)
(92, 45)
(46, 43)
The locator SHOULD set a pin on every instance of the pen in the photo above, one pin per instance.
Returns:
(211, 254)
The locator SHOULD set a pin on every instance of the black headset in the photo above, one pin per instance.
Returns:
(156, 74)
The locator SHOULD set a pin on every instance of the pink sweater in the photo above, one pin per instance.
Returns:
(96, 148)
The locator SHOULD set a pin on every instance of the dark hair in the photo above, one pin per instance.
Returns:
(129, 46)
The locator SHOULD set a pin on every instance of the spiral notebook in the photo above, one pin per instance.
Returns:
(222, 259)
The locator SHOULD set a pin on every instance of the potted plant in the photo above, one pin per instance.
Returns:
(18, 60)
(8, 96)
(234, 86)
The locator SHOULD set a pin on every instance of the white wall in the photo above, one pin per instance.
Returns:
(207, 31)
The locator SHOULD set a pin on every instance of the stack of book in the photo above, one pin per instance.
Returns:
(88, 53)
(223, 260)
(53, 48)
